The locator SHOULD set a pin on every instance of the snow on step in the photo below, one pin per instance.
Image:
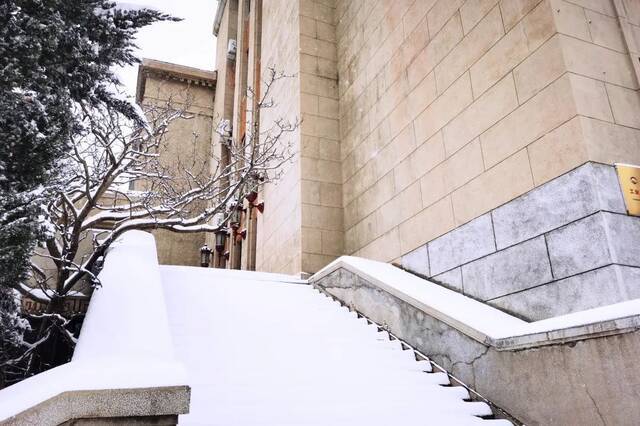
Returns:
(260, 351)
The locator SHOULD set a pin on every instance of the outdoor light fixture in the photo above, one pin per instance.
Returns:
(251, 196)
(221, 238)
(205, 256)
(234, 219)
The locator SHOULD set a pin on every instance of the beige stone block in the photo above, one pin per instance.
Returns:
(472, 47)
(308, 103)
(438, 48)
(424, 158)
(598, 62)
(440, 13)
(499, 60)
(557, 152)
(329, 149)
(443, 109)
(415, 15)
(504, 182)
(600, 6)
(492, 106)
(327, 68)
(514, 10)
(393, 153)
(328, 107)
(541, 68)
(311, 263)
(400, 118)
(524, 38)
(308, 26)
(414, 43)
(409, 201)
(321, 170)
(310, 191)
(590, 97)
(320, 86)
(323, 127)
(625, 104)
(350, 241)
(388, 216)
(605, 31)
(430, 223)
(463, 166)
(610, 143)
(321, 217)
(548, 109)
(332, 243)
(422, 95)
(472, 11)
(366, 231)
(570, 19)
(325, 31)
(378, 194)
(434, 185)
(311, 238)
(330, 194)
(384, 248)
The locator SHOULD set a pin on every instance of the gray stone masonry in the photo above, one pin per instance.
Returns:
(565, 246)
(588, 382)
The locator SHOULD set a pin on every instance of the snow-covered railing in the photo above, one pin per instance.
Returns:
(482, 322)
(123, 365)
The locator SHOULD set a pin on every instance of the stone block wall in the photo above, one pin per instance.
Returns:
(450, 109)
(321, 174)
(279, 236)
(565, 246)
(585, 382)
(188, 141)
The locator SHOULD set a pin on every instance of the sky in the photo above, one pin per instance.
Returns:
(189, 42)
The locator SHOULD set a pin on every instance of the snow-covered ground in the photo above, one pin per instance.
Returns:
(262, 349)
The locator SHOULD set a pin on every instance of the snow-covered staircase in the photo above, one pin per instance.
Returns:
(267, 349)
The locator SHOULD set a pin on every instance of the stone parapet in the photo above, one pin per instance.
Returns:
(565, 246)
(576, 369)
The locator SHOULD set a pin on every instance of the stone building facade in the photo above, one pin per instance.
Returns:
(187, 141)
(472, 142)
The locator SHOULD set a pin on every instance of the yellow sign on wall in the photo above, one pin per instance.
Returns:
(629, 177)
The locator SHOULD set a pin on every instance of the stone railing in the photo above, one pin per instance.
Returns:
(123, 369)
(570, 369)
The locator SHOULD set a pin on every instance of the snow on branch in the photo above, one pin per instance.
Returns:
(115, 179)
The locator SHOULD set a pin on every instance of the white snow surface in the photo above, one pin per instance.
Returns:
(125, 341)
(263, 349)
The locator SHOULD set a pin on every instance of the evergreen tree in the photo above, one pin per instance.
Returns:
(56, 57)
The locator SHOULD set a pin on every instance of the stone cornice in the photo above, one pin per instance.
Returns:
(169, 71)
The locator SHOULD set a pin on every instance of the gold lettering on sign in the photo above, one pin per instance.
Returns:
(629, 177)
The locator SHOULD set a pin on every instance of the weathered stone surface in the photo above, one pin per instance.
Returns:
(417, 261)
(149, 403)
(583, 191)
(463, 244)
(451, 279)
(624, 238)
(603, 286)
(550, 373)
(579, 246)
(516, 268)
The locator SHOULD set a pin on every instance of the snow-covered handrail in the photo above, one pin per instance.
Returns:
(124, 350)
(482, 322)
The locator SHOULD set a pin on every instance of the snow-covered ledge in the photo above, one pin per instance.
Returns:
(123, 365)
(481, 322)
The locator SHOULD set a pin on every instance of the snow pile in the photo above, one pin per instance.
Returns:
(125, 340)
(476, 319)
(262, 352)
(127, 316)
